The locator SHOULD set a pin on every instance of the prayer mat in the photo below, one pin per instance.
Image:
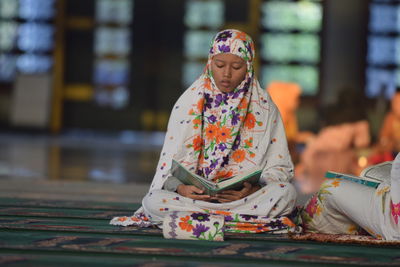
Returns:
(55, 233)
(345, 239)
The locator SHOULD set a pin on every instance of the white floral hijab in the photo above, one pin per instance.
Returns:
(219, 135)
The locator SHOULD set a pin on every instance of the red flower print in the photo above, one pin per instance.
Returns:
(197, 143)
(185, 224)
(241, 36)
(249, 142)
(239, 155)
(250, 121)
(336, 182)
(199, 105)
(196, 123)
(288, 222)
(312, 206)
(122, 219)
(211, 131)
(243, 104)
(395, 211)
(201, 159)
(207, 84)
(222, 212)
(224, 134)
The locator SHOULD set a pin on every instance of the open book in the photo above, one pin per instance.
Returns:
(370, 176)
(211, 188)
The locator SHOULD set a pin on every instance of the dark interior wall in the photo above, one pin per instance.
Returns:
(156, 60)
(344, 47)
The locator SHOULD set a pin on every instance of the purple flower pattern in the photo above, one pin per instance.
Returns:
(199, 229)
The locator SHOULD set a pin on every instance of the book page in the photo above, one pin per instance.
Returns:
(239, 177)
(188, 177)
(379, 172)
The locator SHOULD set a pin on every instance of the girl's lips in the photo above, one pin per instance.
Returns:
(225, 83)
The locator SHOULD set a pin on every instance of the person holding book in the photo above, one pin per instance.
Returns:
(346, 207)
(223, 125)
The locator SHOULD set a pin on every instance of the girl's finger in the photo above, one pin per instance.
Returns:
(228, 197)
(199, 197)
(230, 192)
(196, 190)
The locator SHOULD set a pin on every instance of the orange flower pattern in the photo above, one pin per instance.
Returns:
(238, 156)
(186, 224)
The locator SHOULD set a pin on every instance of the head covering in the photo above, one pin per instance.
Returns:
(217, 134)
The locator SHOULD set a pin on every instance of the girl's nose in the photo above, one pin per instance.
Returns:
(227, 72)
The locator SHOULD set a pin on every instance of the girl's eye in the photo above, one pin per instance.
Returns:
(220, 66)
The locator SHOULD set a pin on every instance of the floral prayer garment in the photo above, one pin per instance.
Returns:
(219, 135)
(344, 207)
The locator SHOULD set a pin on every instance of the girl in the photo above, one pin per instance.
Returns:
(222, 125)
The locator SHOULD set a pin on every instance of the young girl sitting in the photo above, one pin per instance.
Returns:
(223, 125)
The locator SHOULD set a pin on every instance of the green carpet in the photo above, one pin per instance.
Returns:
(57, 233)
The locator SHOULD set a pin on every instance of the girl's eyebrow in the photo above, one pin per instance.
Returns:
(235, 62)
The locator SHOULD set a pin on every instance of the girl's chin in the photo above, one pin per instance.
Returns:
(225, 90)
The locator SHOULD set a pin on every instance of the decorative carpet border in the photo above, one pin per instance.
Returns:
(344, 239)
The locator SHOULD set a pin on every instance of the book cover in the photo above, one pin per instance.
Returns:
(371, 176)
(349, 177)
(211, 188)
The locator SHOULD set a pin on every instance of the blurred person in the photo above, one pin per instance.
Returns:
(222, 125)
(286, 96)
(335, 147)
(389, 136)
(345, 207)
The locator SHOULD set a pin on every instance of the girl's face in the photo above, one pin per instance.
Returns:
(228, 71)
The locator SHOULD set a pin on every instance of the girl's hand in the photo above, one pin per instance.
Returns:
(232, 195)
(192, 192)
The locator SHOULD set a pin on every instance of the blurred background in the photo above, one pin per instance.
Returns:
(86, 87)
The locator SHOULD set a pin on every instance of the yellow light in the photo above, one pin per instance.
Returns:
(362, 162)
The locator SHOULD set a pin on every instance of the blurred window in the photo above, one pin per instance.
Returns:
(26, 37)
(34, 63)
(197, 43)
(112, 47)
(8, 35)
(290, 43)
(8, 65)
(203, 19)
(279, 47)
(383, 57)
(35, 37)
(288, 16)
(36, 9)
(208, 14)
(8, 9)
(112, 11)
(306, 76)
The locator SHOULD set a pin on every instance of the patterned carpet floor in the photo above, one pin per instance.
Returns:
(66, 233)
